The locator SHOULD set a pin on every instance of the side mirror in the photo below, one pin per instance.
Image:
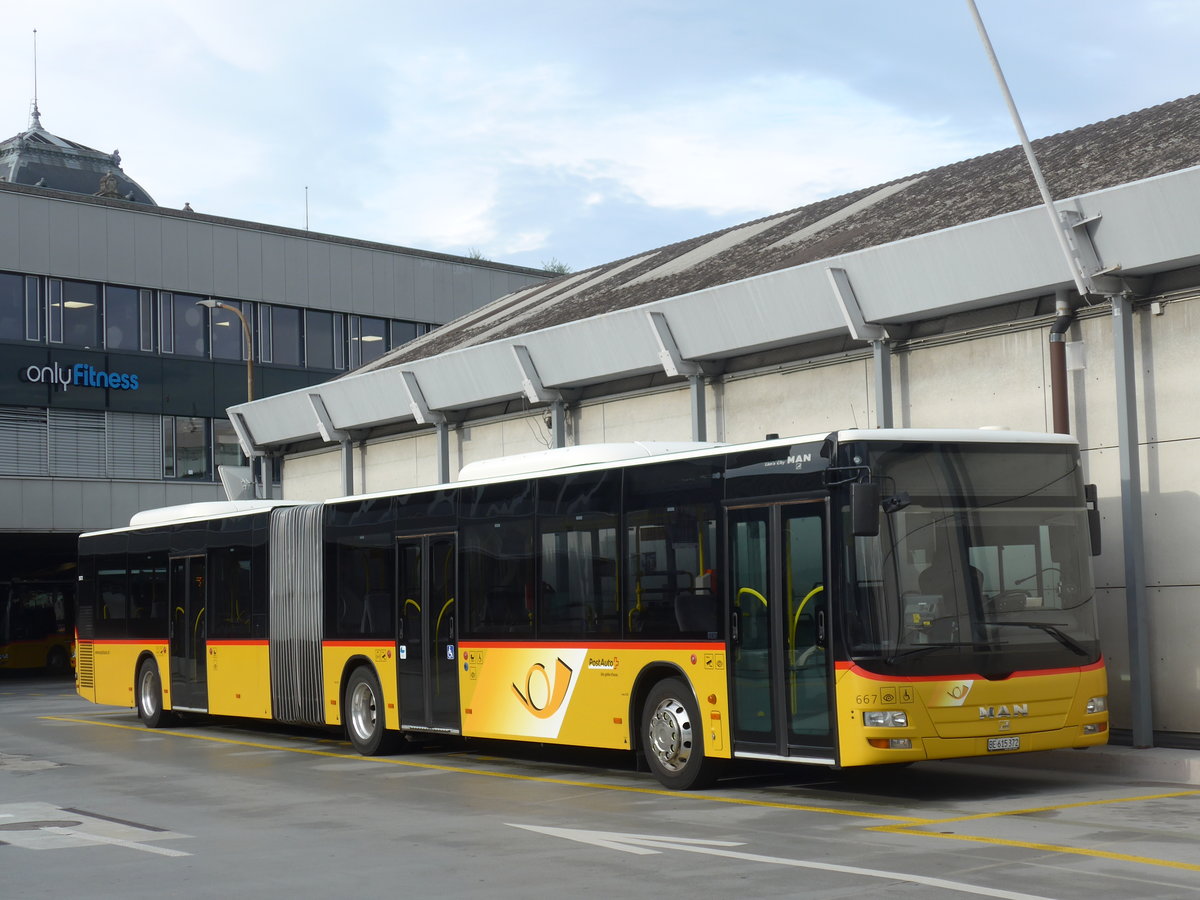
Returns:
(864, 508)
(1093, 509)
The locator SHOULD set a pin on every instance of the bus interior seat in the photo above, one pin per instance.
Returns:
(696, 612)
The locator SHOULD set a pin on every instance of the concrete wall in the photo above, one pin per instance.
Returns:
(71, 505)
(168, 250)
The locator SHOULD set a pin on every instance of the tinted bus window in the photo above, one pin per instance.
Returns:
(577, 525)
(496, 557)
(361, 570)
(112, 591)
(671, 514)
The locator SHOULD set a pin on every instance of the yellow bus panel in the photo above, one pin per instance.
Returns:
(114, 668)
(946, 717)
(580, 694)
(239, 678)
(336, 656)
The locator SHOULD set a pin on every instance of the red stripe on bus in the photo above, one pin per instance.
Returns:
(358, 643)
(1029, 673)
(585, 645)
(236, 642)
(140, 642)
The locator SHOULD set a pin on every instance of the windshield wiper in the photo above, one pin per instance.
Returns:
(1055, 632)
(920, 649)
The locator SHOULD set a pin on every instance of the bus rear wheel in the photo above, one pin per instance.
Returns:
(363, 716)
(673, 738)
(150, 696)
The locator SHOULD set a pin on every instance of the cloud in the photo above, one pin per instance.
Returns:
(744, 148)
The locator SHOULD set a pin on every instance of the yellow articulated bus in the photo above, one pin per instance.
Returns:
(851, 599)
(36, 629)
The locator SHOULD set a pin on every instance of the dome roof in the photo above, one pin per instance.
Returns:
(38, 158)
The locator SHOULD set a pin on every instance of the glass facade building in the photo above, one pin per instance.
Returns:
(117, 375)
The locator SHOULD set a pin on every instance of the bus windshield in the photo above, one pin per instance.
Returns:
(981, 564)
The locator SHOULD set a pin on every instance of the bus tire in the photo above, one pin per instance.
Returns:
(673, 738)
(150, 696)
(363, 716)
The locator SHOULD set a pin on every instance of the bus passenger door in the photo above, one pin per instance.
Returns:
(427, 632)
(188, 633)
(779, 668)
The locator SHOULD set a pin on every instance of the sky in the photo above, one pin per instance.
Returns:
(575, 132)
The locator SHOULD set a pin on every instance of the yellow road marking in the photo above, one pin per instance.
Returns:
(904, 825)
(915, 830)
(1046, 848)
(1062, 806)
(540, 779)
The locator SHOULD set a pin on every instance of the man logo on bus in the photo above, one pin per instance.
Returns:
(542, 696)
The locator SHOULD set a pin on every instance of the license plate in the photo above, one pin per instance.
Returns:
(1004, 743)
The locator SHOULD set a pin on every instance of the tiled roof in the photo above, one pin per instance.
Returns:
(1139, 145)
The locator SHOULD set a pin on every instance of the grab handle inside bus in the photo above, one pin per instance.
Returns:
(864, 508)
(1093, 509)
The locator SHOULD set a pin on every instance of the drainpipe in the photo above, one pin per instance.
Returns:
(1058, 363)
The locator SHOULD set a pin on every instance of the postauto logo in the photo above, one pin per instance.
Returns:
(79, 375)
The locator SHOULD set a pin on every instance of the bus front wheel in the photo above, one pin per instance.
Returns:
(150, 697)
(673, 738)
(362, 713)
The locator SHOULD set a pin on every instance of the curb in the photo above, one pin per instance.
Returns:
(1126, 763)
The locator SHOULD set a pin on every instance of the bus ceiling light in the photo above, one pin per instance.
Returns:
(1097, 705)
(887, 718)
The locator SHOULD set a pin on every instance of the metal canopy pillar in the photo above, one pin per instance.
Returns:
(426, 416)
(333, 435)
(876, 335)
(1141, 704)
(254, 453)
(675, 365)
(538, 393)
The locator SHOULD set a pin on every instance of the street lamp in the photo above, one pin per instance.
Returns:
(217, 304)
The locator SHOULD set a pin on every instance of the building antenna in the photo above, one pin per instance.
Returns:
(306, 207)
(36, 117)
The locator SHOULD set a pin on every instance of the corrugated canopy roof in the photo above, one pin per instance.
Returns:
(1140, 145)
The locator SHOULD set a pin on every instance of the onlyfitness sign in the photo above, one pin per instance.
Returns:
(79, 375)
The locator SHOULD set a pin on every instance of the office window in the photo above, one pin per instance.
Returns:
(122, 314)
(81, 314)
(185, 448)
(33, 308)
(368, 339)
(228, 338)
(263, 350)
(323, 336)
(168, 446)
(403, 332)
(226, 450)
(189, 326)
(146, 303)
(285, 336)
(166, 321)
(12, 307)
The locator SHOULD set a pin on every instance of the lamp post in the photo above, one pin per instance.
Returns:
(217, 304)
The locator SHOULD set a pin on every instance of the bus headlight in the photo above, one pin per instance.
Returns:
(1097, 705)
(888, 718)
